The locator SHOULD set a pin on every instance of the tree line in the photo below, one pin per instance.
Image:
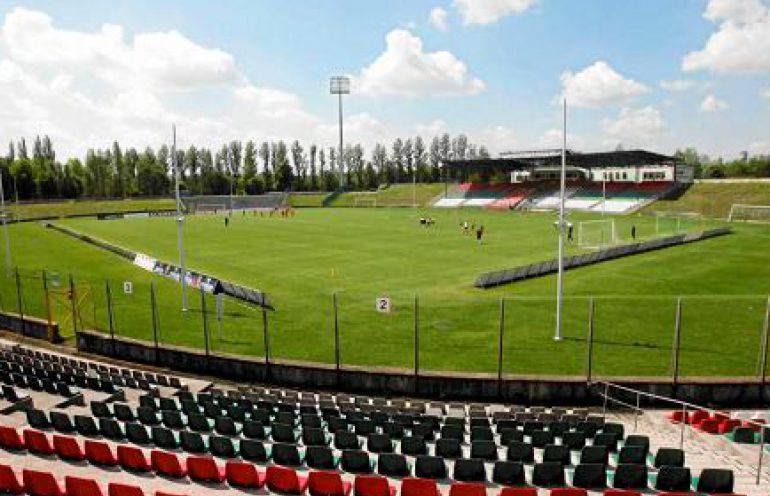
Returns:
(236, 167)
(706, 167)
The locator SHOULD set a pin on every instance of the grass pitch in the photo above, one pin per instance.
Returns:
(360, 254)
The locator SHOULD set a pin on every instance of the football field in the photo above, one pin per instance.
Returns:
(352, 256)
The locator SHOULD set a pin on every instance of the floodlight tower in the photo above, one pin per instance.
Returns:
(8, 262)
(340, 85)
(179, 221)
(560, 275)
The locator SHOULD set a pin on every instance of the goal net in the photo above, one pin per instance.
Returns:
(593, 234)
(749, 213)
(210, 208)
(667, 223)
(365, 202)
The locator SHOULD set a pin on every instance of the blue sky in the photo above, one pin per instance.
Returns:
(493, 69)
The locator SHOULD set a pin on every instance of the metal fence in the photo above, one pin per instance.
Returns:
(603, 336)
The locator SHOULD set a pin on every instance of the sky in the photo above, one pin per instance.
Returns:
(654, 74)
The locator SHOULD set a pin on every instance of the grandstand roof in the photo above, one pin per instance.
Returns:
(528, 159)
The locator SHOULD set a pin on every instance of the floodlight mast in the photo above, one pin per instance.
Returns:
(8, 262)
(179, 221)
(340, 85)
(560, 274)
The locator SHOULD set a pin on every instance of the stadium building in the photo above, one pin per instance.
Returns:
(616, 181)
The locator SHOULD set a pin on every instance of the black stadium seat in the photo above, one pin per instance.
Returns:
(470, 470)
(392, 465)
(430, 467)
(673, 479)
(630, 476)
(548, 474)
(318, 457)
(508, 473)
(715, 481)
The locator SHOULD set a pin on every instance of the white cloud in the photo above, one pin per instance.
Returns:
(405, 69)
(765, 92)
(489, 11)
(433, 128)
(711, 104)
(738, 11)
(741, 43)
(438, 19)
(759, 147)
(598, 85)
(554, 138)
(678, 85)
(496, 138)
(634, 126)
(88, 88)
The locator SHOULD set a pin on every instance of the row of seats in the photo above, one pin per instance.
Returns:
(547, 474)
(742, 431)
(52, 358)
(38, 483)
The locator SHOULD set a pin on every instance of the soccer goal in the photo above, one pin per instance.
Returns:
(667, 223)
(593, 234)
(749, 213)
(365, 202)
(210, 208)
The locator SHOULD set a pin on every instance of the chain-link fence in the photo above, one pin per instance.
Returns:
(601, 336)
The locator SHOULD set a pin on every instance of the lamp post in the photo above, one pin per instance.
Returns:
(8, 262)
(560, 275)
(179, 221)
(340, 85)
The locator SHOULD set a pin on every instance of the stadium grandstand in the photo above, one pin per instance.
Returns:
(79, 426)
(610, 182)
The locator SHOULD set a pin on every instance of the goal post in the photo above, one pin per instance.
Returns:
(203, 208)
(593, 234)
(749, 213)
(668, 222)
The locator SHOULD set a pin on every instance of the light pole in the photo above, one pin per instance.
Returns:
(340, 85)
(179, 222)
(560, 275)
(8, 262)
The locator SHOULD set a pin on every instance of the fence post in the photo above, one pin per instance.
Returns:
(110, 320)
(763, 352)
(205, 323)
(266, 341)
(636, 412)
(416, 342)
(336, 336)
(677, 341)
(500, 348)
(590, 351)
(684, 423)
(761, 452)
(48, 316)
(20, 302)
(154, 314)
(74, 305)
(606, 397)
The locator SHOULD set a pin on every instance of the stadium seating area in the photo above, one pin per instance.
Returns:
(79, 427)
(743, 428)
(620, 197)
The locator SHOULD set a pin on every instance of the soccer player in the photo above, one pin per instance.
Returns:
(227, 221)
(633, 232)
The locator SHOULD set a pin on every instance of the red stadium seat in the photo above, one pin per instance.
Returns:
(41, 484)
(118, 489)
(204, 468)
(321, 483)
(414, 486)
(467, 489)
(709, 426)
(99, 453)
(754, 424)
(621, 492)
(720, 417)
(168, 464)
(10, 439)
(568, 491)
(727, 426)
(243, 474)
(67, 447)
(164, 493)
(285, 480)
(9, 482)
(82, 487)
(372, 485)
(676, 494)
(676, 416)
(697, 417)
(519, 491)
(38, 442)
(133, 458)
